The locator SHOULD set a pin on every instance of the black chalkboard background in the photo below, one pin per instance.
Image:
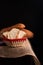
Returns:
(28, 12)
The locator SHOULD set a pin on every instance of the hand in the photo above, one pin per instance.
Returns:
(21, 26)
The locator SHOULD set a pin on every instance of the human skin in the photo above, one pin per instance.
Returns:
(29, 34)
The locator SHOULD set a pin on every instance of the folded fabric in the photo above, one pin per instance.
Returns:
(25, 49)
(14, 33)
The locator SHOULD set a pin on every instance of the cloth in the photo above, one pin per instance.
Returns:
(24, 60)
(17, 52)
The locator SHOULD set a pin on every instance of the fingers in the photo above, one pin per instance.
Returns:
(5, 29)
(29, 34)
(19, 25)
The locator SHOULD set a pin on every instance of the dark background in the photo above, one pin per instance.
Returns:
(31, 14)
